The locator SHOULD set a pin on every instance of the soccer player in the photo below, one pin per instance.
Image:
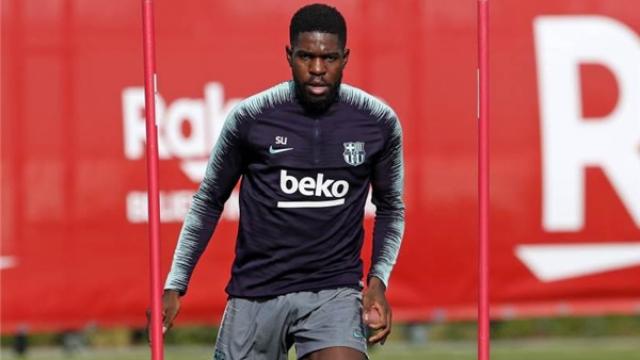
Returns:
(308, 151)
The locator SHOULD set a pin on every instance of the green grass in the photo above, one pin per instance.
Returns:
(556, 349)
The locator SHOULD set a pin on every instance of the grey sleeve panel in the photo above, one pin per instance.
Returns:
(224, 168)
(387, 182)
(223, 171)
(387, 191)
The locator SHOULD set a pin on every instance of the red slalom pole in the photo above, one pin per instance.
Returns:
(483, 180)
(150, 90)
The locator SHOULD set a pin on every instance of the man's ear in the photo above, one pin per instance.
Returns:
(345, 57)
(289, 53)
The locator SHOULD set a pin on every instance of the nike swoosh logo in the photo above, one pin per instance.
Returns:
(276, 151)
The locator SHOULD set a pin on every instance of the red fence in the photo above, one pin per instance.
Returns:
(565, 212)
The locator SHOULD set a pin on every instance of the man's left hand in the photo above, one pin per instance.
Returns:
(377, 312)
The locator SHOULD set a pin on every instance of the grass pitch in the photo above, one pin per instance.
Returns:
(556, 349)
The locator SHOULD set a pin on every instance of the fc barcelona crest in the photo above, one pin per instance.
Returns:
(354, 153)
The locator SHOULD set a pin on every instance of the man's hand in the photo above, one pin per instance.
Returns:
(170, 309)
(377, 312)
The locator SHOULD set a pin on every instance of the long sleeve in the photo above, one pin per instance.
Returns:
(387, 191)
(223, 171)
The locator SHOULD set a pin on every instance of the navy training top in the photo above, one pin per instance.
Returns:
(305, 181)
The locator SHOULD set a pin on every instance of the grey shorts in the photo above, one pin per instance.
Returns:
(310, 320)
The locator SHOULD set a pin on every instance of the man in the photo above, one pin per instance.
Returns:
(308, 151)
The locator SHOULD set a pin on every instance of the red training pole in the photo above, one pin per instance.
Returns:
(483, 179)
(150, 90)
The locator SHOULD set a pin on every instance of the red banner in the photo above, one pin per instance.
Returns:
(565, 162)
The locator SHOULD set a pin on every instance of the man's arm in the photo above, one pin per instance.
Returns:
(223, 171)
(387, 191)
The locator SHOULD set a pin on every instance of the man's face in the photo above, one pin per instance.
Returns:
(317, 60)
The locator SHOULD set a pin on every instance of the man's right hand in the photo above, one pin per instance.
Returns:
(170, 309)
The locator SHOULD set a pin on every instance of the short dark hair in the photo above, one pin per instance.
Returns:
(321, 18)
